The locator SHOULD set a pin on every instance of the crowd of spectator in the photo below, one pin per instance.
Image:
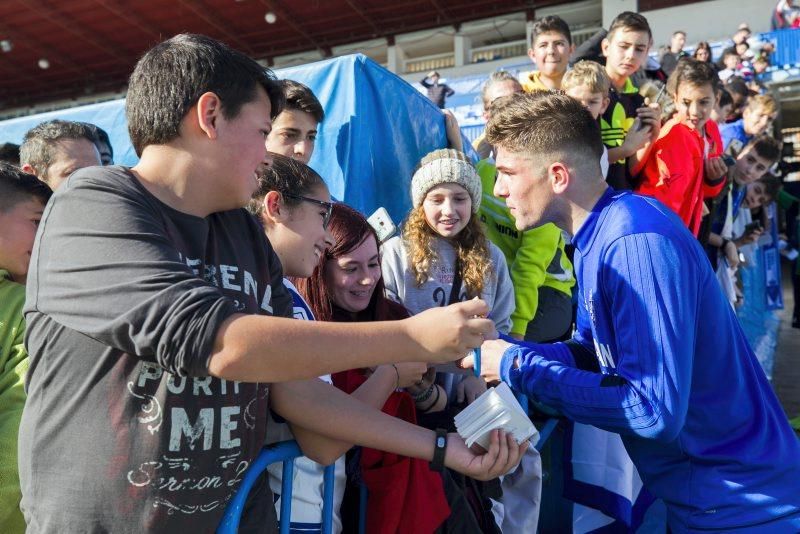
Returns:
(154, 335)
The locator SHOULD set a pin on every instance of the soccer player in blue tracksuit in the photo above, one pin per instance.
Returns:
(658, 355)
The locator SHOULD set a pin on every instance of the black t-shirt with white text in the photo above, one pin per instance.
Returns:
(123, 430)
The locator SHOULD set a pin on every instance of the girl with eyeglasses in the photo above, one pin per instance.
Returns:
(404, 494)
(294, 206)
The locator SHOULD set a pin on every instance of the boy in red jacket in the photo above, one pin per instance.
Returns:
(685, 166)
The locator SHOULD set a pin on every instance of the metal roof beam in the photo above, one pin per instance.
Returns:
(361, 13)
(44, 51)
(134, 19)
(445, 16)
(283, 16)
(74, 27)
(200, 10)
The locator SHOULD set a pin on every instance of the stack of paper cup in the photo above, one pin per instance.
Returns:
(495, 409)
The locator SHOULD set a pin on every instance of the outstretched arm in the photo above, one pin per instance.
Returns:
(436, 335)
(323, 409)
(645, 390)
(150, 301)
(374, 392)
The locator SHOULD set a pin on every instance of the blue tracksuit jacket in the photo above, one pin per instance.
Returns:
(660, 358)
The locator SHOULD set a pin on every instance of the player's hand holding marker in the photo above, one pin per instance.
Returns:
(488, 363)
(476, 352)
(447, 333)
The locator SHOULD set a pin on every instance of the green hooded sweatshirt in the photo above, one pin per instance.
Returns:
(13, 365)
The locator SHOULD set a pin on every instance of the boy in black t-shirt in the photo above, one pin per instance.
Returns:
(157, 317)
(625, 48)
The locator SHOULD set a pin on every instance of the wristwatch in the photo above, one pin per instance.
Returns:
(440, 445)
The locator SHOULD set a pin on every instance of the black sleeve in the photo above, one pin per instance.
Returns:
(590, 49)
(105, 268)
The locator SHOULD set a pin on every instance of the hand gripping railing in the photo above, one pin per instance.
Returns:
(286, 452)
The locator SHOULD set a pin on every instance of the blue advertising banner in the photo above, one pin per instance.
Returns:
(772, 264)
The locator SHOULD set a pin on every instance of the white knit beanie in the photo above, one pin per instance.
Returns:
(447, 170)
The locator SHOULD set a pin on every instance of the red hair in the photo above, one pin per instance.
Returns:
(349, 230)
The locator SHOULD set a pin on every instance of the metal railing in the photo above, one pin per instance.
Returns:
(481, 54)
(499, 51)
(286, 452)
(429, 63)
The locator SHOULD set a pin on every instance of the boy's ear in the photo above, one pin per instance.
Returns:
(531, 55)
(604, 46)
(208, 110)
(606, 102)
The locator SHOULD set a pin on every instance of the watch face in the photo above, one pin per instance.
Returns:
(440, 442)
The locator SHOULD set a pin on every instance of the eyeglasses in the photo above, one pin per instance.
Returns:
(327, 205)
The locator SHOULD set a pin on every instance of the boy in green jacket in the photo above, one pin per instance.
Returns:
(22, 201)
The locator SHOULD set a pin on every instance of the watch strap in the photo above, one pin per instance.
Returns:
(440, 446)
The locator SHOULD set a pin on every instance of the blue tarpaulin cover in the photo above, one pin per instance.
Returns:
(376, 129)
(110, 116)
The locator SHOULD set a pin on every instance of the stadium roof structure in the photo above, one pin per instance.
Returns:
(73, 48)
